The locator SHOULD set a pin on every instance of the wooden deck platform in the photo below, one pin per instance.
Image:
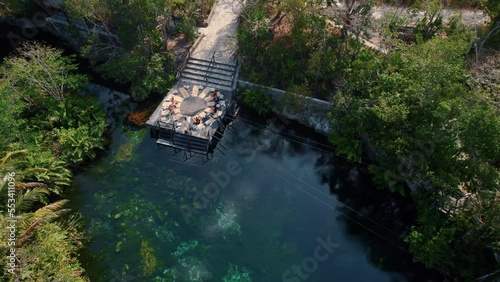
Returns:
(190, 115)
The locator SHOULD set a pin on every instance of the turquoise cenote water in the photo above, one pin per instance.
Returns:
(266, 209)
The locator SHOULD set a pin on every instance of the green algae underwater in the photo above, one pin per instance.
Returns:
(146, 221)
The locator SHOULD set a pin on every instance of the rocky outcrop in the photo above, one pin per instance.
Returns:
(308, 111)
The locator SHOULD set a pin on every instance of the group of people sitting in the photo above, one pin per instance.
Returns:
(190, 125)
(216, 96)
(172, 106)
(196, 120)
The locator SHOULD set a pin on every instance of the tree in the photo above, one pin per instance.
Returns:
(485, 77)
(422, 21)
(353, 16)
(96, 11)
(140, 58)
(10, 115)
(44, 106)
(16, 8)
(39, 71)
(436, 141)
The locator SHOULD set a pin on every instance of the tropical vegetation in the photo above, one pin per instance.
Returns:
(425, 97)
(49, 127)
(137, 50)
(426, 100)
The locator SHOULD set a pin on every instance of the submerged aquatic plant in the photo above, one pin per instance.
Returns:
(102, 198)
(123, 154)
(237, 275)
(148, 259)
(135, 209)
(185, 247)
(131, 140)
(98, 226)
(163, 233)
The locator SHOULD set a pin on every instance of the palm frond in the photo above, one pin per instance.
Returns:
(31, 221)
(30, 185)
(26, 200)
(37, 222)
(53, 206)
(9, 161)
(9, 155)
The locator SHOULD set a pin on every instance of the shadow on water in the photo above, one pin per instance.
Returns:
(377, 218)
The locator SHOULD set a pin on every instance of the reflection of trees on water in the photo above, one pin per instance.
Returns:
(390, 215)
(273, 135)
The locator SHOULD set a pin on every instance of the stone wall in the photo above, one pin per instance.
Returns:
(312, 113)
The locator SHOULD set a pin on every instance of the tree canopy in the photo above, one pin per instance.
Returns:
(429, 107)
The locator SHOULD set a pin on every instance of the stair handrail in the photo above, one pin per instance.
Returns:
(209, 66)
(179, 72)
(235, 75)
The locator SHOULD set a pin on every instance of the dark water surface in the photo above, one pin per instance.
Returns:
(267, 209)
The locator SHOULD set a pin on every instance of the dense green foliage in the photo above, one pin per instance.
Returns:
(136, 53)
(47, 239)
(257, 99)
(432, 118)
(291, 58)
(16, 8)
(437, 140)
(48, 126)
(46, 109)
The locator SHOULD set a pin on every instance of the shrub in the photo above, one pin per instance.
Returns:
(258, 99)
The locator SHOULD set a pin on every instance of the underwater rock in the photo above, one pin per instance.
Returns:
(131, 140)
(226, 219)
(169, 275)
(193, 270)
(222, 223)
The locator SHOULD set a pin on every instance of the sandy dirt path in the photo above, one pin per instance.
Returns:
(220, 35)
